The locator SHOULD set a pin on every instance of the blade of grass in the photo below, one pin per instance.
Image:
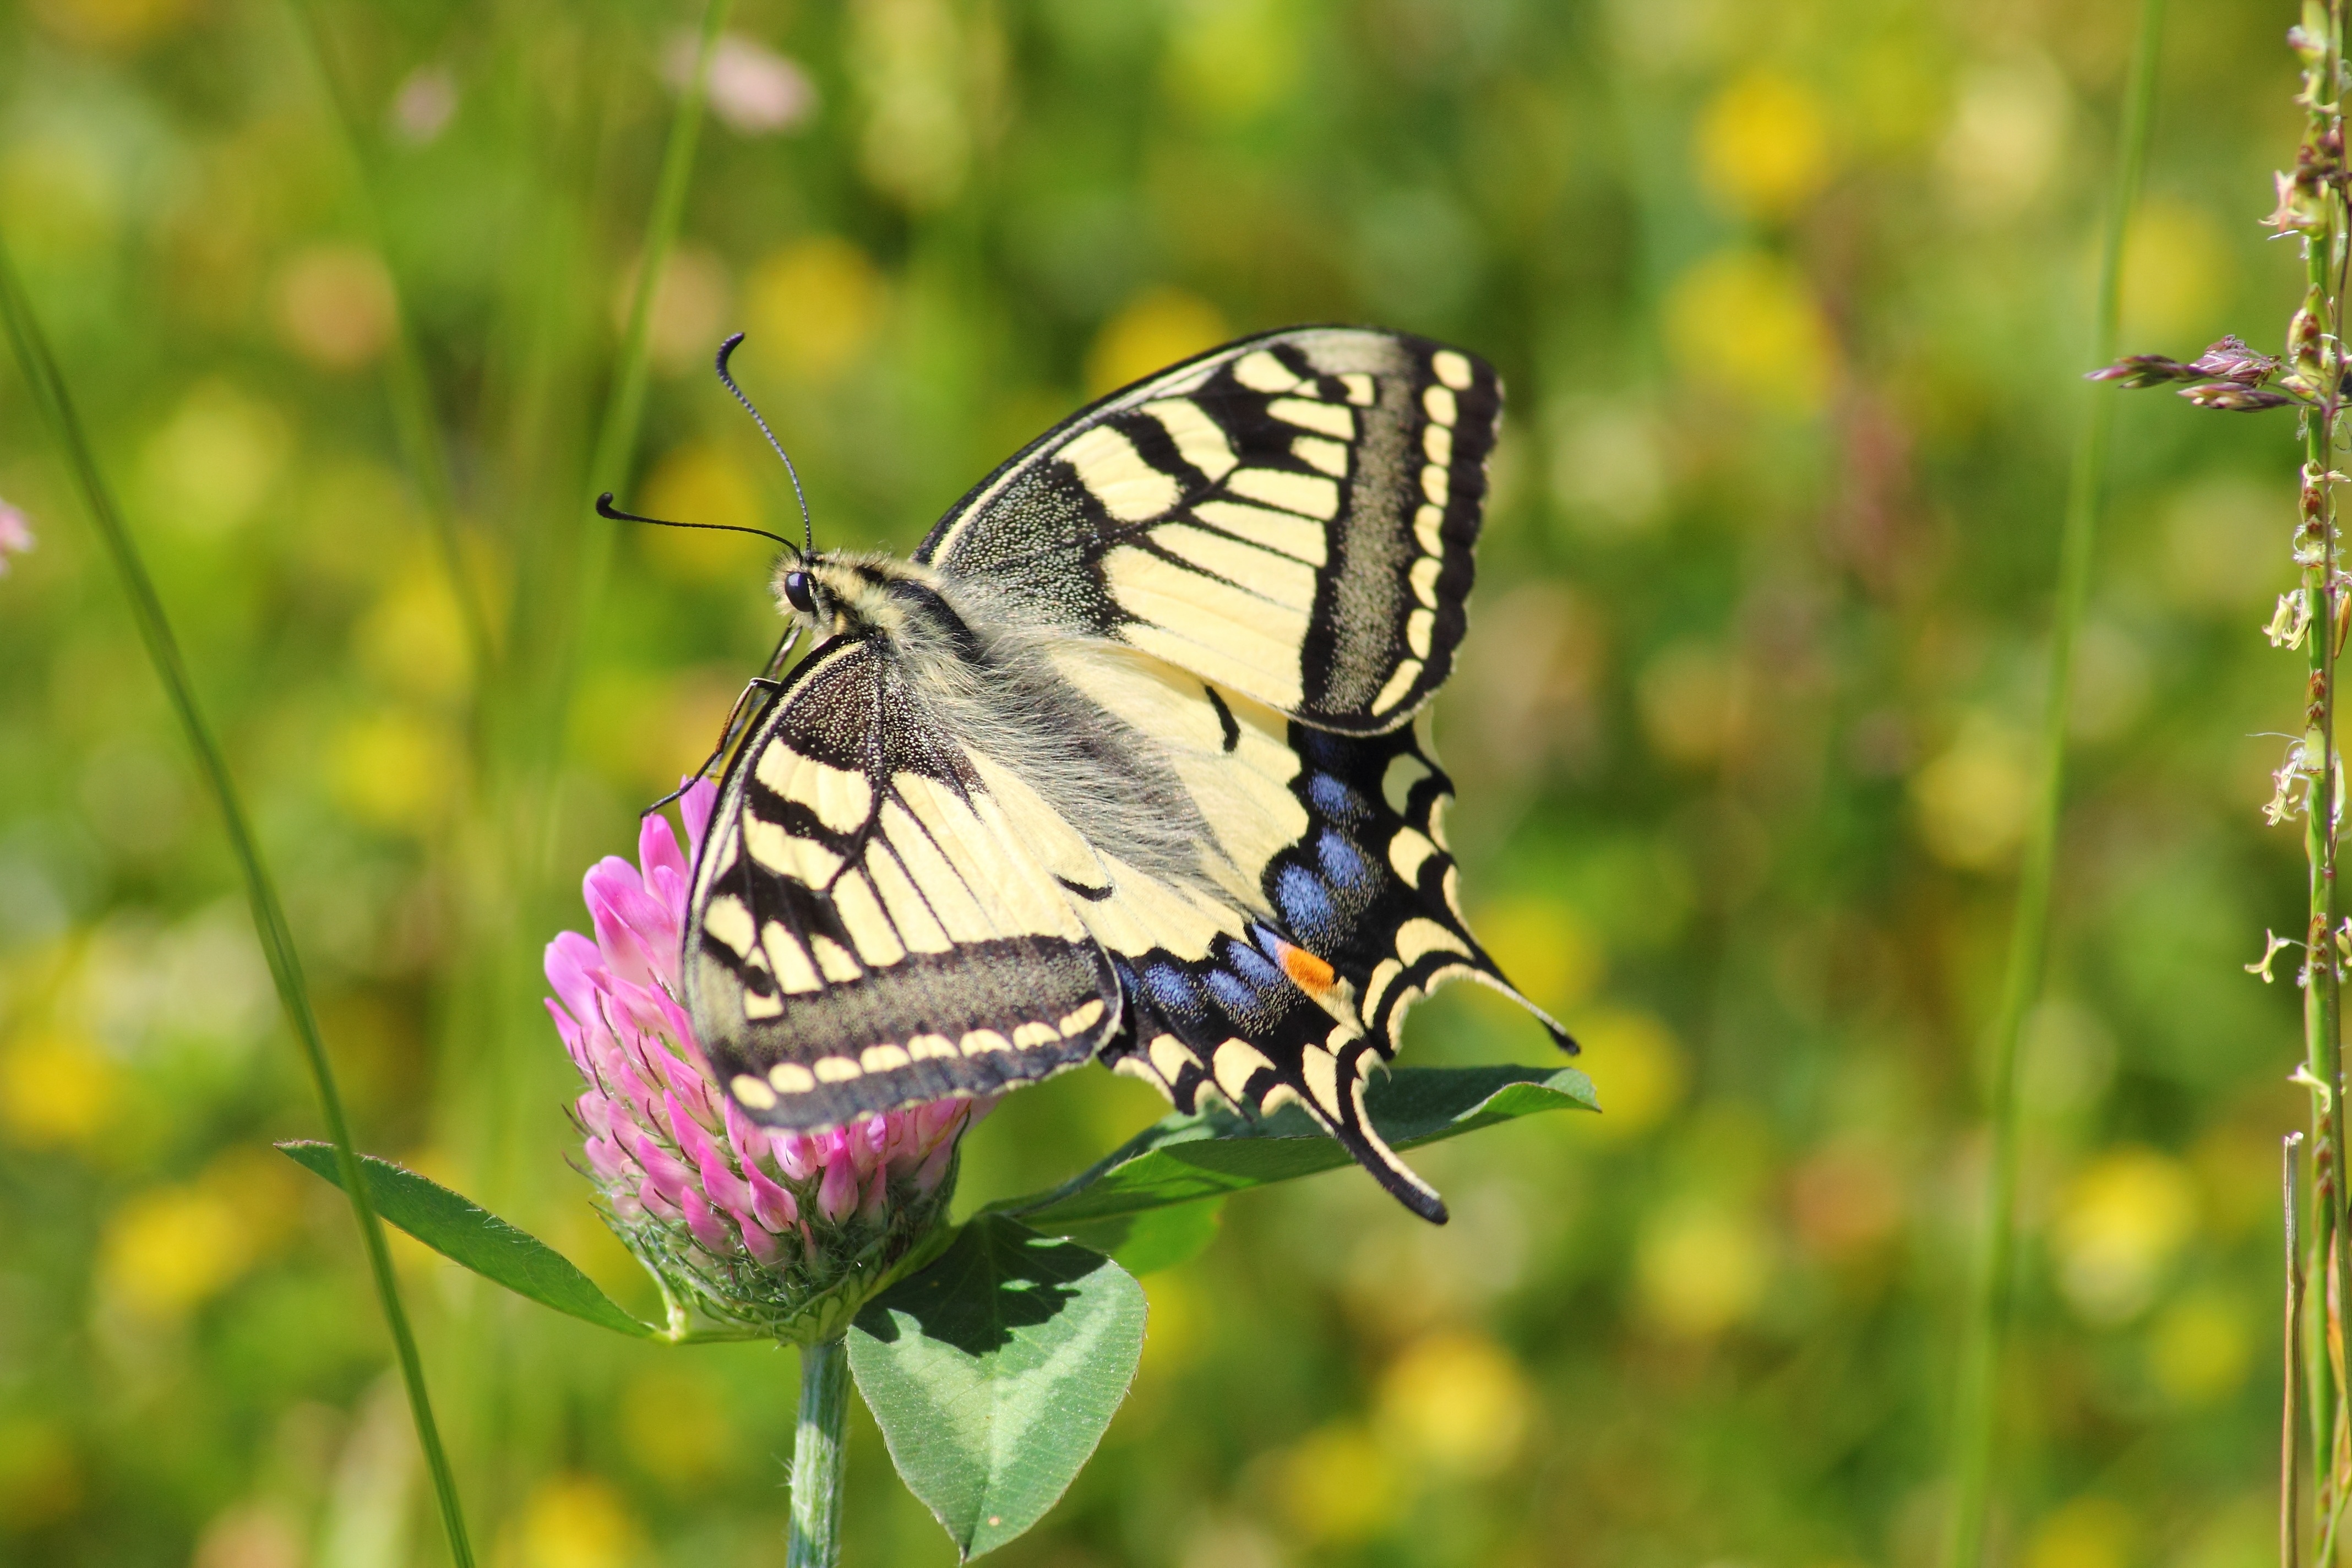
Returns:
(616, 432)
(1987, 1326)
(416, 423)
(49, 392)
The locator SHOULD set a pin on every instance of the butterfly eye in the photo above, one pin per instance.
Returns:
(797, 590)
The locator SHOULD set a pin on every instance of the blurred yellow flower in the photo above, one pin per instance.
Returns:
(213, 463)
(1637, 1070)
(2119, 1225)
(1763, 145)
(394, 769)
(412, 639)
(335, 306)
(56, 1090)
(171, 1249)
(114, 25)
(703, 481)
(2199, 1348)
(2088, 1532)
(1971, 801)
(675, 1426)
(1547, 948)
(2176, 275)
(923, 68)
(2008, 131)
(1151, 332)
(1230, 59)
(1701, 1268)
(1746, 324)
(815, 304)
(1338, 1486)
(576, 1521)
(1456, 1400)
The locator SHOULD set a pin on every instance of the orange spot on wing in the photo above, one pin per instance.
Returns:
(1307, 972)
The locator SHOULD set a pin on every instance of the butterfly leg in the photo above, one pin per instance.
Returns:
(738, 720)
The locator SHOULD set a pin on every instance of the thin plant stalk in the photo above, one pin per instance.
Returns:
(417, 424)
(2314, 345)
(42, 373)
(2290, 1404)
(625, 406)
(820, 1455)
(1987, 1326)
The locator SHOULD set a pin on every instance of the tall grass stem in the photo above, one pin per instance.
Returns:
(624, 405)
(50, 394)
(1985, 1332)
(417, 424)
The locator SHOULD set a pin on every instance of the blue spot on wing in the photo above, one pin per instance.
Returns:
(1261, 974)
(1306, 906)
(1334, 799)
(1171, 990)
(1234, 993)
(1343, 863)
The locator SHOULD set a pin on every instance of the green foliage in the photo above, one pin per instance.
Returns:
(464, 1231)
(993, 1373)
(1187, 1159)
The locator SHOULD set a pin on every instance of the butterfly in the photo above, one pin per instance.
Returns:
(1122, 764)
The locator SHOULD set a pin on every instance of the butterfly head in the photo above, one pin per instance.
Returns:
(845, 594)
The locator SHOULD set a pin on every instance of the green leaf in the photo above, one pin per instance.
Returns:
(1151, 1240)
(993, 1373)
(463, 1231)
(1183, 1159)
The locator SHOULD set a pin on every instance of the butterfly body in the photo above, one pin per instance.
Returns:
(1121, 765)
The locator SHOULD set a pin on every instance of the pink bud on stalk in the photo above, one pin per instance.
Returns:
(788, 1232)
(16, 534)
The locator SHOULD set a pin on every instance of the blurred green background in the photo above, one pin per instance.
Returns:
(1791, 298)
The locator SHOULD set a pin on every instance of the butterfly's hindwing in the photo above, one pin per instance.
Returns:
(866, 933)
(1291, 516)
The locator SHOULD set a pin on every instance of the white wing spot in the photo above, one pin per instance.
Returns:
(1437, 444)
(1436, 484)
(752, 1092)
(791, 1077)
(882, 1059)
(1409, 851)
(1400, 682)
(1416, 939)
(1309, 495)
(980, 1041)
(1439, 405)
(1261, 372)
(1200, 440)
(1323, 419)
(1417, 627)
(833, 959)
(923, 1048)
(1082, 1020)
(1427, 524)
(1030, 1036)
(837, 1069)
(1361, 388)
(1314, 451)
(789, 958)
(1452, 369)
(1115, 474)
(1423, 578)
(729, 920)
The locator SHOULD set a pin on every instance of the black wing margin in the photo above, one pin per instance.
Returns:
(1292, 516)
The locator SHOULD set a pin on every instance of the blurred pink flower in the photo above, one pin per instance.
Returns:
(16, 534)
(752, 1221)
(752, 90)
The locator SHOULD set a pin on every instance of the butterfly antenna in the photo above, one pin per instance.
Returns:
(808, 529)
(605, 508)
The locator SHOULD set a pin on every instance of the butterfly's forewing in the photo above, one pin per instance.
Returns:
(865, 931)
(1291, 516)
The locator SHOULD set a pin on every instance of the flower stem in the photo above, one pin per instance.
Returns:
(1987, 1326)
(820, 1455)
(40, 364)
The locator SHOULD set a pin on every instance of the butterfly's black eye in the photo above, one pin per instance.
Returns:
(797, 590)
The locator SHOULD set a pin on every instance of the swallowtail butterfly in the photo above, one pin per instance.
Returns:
(1122, 763)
